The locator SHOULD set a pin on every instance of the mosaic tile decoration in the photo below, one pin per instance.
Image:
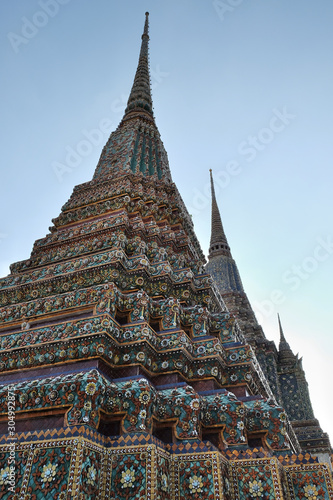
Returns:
(129, 376)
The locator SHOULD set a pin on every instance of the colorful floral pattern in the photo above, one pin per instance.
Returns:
(4, 476)
(197, 477)
(128, 476)
(309, 482)
(119, 284)
(49, 471)
(256, 479)
(226, 413)
(90, 475)
(256, 488)
(269, 419)
(55, 469)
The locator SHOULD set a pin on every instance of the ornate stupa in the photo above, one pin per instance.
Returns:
(281, 367)
(124, 373)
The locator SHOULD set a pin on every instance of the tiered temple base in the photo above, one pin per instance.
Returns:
(78, 462)
(123, 375)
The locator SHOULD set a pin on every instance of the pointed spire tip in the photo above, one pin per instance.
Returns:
(282, 337)
(218, 241)
(140, 100)
(146, 27)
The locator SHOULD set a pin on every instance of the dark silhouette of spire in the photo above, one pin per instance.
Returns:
(220, 262)
(286, 355)
(282, 337)
(140, 100)
(218, 241)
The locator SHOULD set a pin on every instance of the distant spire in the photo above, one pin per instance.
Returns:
(218, 241)
(285, 353)
(221, 265)
(140, 100)
(282, 337)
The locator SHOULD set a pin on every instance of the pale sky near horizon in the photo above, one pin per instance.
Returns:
(245, 90)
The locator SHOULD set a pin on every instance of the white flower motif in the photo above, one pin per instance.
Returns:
(256, 488)
(127, 478)
(196, 484)
(90, 388)
(164, 482)
(49, 472)
(92, 473)
(4, 475)
(311, 492)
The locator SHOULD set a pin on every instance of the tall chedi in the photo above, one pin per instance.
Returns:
(123, 375)
(224, 269)
(295, 398)
(282, 368)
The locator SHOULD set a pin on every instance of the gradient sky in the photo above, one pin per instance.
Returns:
(244, 89)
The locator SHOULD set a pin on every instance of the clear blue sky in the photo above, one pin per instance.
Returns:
(245, 90)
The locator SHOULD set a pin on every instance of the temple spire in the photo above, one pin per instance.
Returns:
(282, 337)
(220, 262)
(140, 101)
(218, 241)
(136, 146)
(286, 355)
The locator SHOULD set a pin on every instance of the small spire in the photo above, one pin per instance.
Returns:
(282, 337)
(146, 28)
(218, 241)
(221, 265)
(140, 100)
(286, 355)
